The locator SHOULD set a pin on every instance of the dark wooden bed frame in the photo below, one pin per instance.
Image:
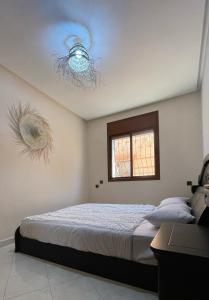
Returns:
(122, 270)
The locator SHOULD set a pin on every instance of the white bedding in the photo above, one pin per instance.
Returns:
(117, 230)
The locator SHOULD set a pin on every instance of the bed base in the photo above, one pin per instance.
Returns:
(125, 271)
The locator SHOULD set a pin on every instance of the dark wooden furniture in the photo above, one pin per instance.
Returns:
(182, 251)
(122, 270)
(200, 206)
(203, 178)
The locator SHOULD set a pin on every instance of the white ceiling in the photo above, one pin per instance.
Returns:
(146, 50)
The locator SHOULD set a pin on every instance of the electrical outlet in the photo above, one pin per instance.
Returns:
(189, 183)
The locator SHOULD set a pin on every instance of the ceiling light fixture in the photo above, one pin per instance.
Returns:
(77, 65)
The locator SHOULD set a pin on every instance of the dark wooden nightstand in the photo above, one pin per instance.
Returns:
(182, 251)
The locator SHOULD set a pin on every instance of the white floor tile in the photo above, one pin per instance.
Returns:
(77, 290)
(5, 270)
(151, 296)
(23, 277)
(38, 295)
(114, 291)
(60, 274)
(20, 257)
(25, 282)
(28, 264)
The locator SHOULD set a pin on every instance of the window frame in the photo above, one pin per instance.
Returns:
(130, 126)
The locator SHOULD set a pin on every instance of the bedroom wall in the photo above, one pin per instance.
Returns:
(205, 98)
(180, 153)
(32, 187)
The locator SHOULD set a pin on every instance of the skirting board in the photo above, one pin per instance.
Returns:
(6, 242)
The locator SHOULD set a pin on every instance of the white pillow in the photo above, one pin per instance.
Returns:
(170, 214)
(173, 200)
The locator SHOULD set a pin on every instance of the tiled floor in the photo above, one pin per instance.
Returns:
(26, 278)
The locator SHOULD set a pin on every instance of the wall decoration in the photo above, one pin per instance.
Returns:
(31, 131)
(77, 65)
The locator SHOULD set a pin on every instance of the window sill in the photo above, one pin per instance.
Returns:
(139, 178)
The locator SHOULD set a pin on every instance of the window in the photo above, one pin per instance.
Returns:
(133, 148)
(121, 157)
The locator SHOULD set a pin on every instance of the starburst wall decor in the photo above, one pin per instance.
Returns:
(31, 131)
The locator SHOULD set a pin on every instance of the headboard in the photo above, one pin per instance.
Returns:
(200, 206)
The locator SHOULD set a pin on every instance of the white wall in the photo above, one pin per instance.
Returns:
(30, 187)
(180, 153)
(205, 100)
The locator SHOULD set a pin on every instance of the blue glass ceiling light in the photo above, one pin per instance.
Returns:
(78, 66)
(78, 58)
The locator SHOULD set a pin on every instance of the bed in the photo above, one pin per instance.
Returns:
(110, 240)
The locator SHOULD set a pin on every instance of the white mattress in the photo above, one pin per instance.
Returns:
(117, 230)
